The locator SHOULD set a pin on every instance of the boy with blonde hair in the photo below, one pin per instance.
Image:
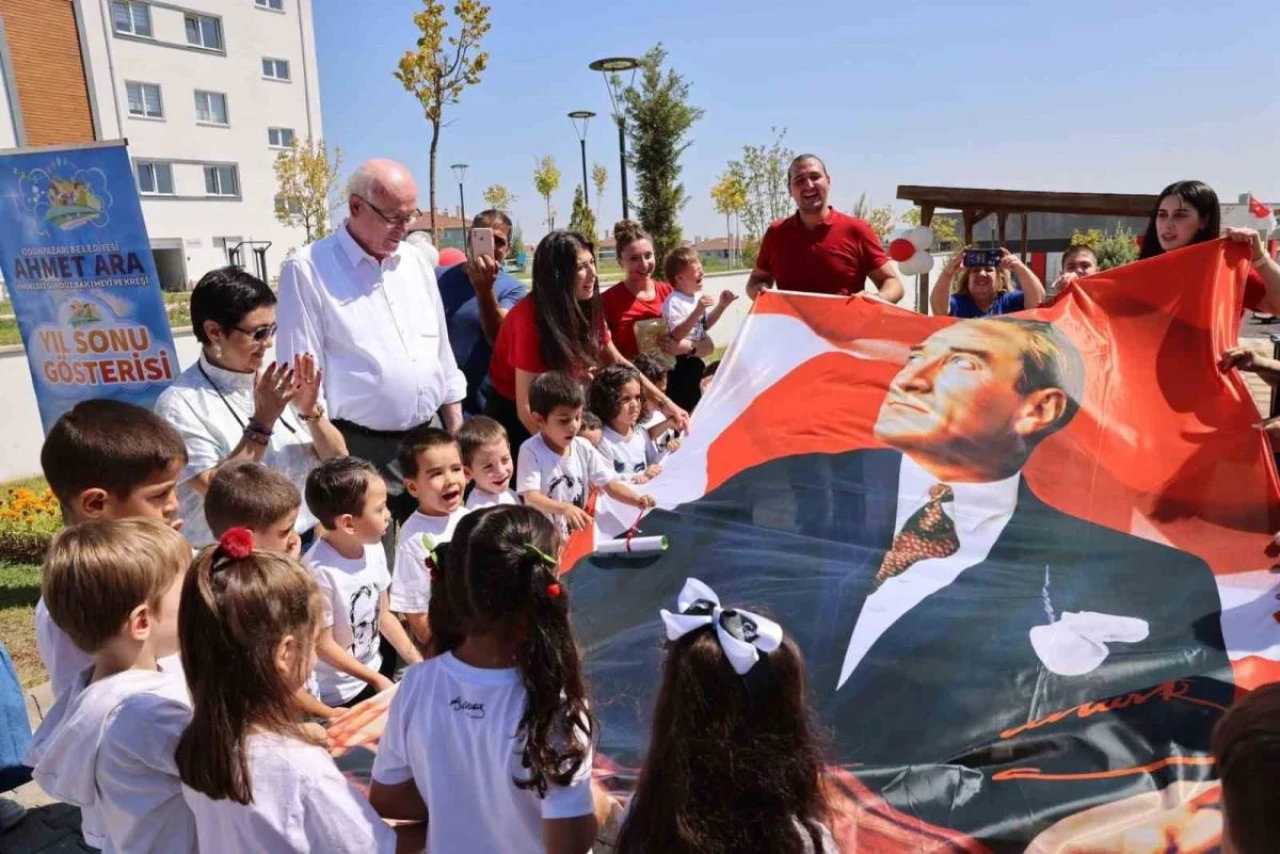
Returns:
(107, 744)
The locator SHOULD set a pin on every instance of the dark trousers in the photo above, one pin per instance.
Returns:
(684, 382)
(504, 411)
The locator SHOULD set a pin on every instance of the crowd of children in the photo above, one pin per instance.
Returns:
(189, 689)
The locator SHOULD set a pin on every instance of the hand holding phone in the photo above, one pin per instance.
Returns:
(983, 258)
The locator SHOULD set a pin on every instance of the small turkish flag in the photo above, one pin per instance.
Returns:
(1258, 209)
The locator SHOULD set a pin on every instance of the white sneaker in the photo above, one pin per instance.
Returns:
(11, 812)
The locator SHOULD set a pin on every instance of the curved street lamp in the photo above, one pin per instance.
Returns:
(611, 68)
(583, 116)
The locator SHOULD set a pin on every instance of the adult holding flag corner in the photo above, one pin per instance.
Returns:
(818, 249)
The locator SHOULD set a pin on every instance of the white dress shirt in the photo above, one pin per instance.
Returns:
(377, 330)
(980, 512)
(210, 407)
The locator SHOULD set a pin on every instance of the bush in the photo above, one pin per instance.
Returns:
(1113, 248)
(28, 520)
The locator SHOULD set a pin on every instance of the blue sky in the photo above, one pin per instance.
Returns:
(1089, 96)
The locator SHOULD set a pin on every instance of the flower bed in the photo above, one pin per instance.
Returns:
(29, 517)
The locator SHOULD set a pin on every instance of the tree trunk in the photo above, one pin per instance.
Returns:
(431, 182)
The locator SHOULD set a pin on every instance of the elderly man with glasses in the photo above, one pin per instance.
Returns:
(367, 305)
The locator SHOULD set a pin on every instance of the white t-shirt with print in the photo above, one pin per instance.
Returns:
(479, 498)
(352, 592)
(418, 538)
(301, 803)
(676, 309)
(561, 477)
(451, 729)
(657, 448)
(629, 456)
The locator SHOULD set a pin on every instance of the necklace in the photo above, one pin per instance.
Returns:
(232, 409)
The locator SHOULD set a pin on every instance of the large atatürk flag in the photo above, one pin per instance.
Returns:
(1025, 556)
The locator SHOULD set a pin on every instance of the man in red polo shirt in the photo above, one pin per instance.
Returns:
(819, 249)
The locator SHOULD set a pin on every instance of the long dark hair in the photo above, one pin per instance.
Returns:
(727, 771)
(502, 580)
(1200, 196)
(233, 614)
(568, 328)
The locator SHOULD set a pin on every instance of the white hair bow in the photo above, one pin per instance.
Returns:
(742, 634)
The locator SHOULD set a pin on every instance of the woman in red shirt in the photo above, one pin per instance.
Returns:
(1186, 213)
(637, 297)
(560, 326)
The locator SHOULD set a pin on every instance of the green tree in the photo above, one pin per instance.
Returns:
(879, 218)
(599, 177)
(582, 219)
(546, 179)
(439, 69)
(763, 170)
(499, 198)
(306, 178)
(944, 229)
(1113, 248)
(730, 198)
(660, 117)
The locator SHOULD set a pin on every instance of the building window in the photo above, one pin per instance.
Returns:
(275, 69)
(290, 205)
(203, 31)
(154, 179)
(278, 5)
(211, 108)
(221, 181)
(131, 17)
(279, 137)
(144, 100)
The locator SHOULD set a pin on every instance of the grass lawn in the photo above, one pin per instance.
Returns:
(19, 590)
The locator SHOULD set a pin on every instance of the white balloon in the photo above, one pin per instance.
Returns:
(917, 265)
(921, 237)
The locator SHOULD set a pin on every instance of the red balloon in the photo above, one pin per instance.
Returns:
(451, 256)
(900, 249)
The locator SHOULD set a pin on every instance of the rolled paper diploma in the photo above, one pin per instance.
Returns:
(635, 545)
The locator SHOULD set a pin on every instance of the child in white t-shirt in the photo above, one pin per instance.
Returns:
(107, 745)
(106, 459)
(349, 498)
(592, 428)
(459, 749)
(250, 495)
(664, 438)
(615, 398)
(556, 466)
(433, 474)
(254, 776)
(689, 314)
(486, 454)
(723, 707)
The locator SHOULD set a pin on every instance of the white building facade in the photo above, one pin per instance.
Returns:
(207, 92)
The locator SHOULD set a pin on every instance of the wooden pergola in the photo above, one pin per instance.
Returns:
(975, 205)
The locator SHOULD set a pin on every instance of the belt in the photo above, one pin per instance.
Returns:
(344, 426)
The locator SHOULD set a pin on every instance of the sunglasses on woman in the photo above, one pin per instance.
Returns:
(261, 333)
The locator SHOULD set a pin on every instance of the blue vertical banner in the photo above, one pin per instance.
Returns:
(79, 271)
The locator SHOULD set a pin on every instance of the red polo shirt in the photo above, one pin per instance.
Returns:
(519, 345)
(833, 258)
(622, 310)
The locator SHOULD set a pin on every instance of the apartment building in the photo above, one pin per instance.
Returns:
(207, 92)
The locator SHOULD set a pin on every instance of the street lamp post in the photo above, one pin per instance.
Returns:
(460, 171)
(610, 68)
(583, 116)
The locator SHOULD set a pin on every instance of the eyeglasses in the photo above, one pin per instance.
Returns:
(260, 334)
(393, 221)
